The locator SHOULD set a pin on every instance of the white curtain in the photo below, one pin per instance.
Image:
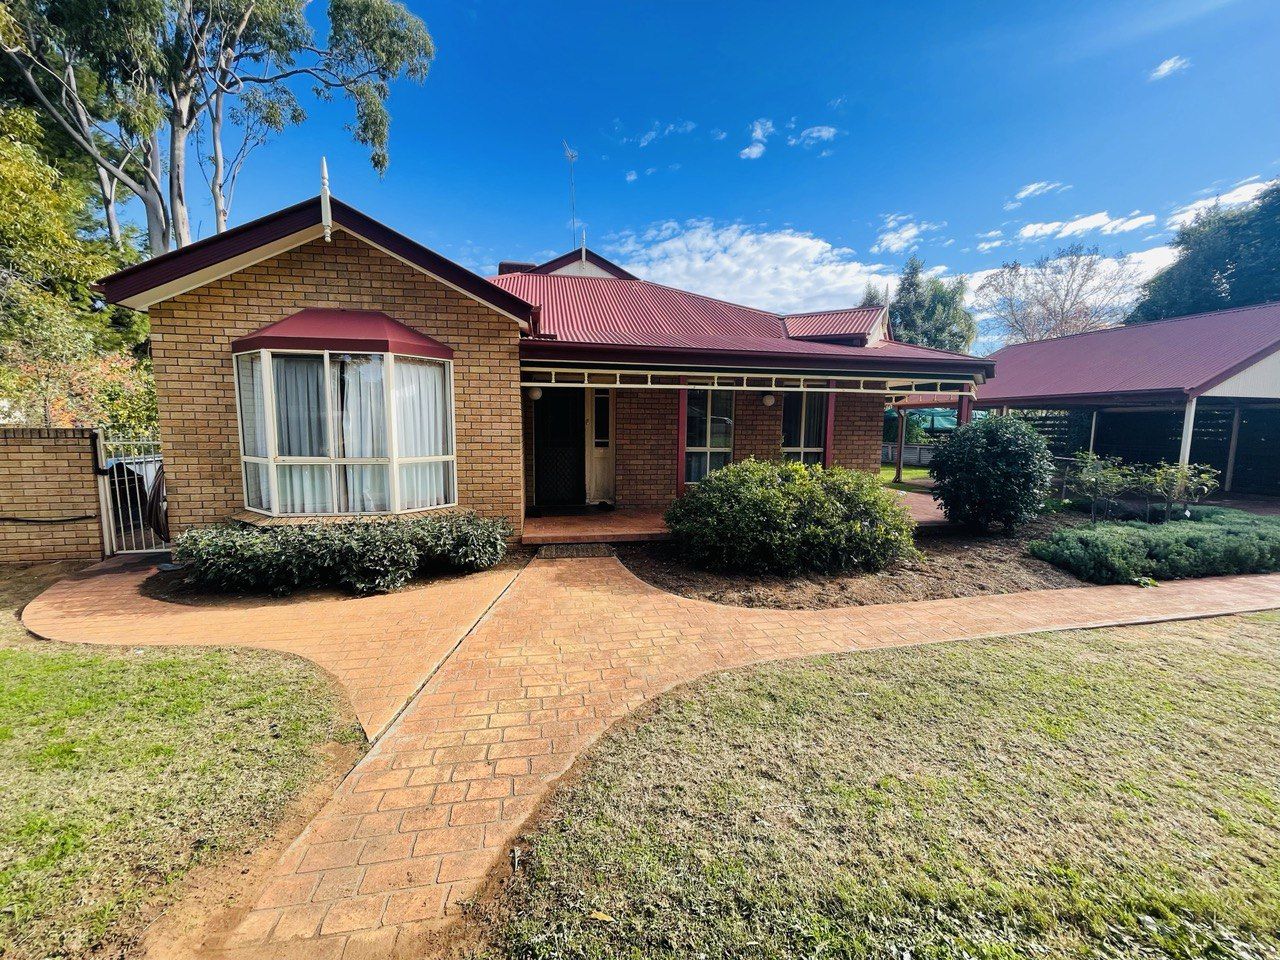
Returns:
(304, 488)
(422, 416)
(300, 406)
(253, 410)
(359, 405)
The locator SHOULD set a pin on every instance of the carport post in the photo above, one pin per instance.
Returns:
(1188, 428)
(1093, 429)
(902, 439)
(1231, 450)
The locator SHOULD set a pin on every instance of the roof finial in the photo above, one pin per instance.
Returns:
(326, 215)
(584, 244)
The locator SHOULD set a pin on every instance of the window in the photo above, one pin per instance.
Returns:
(708, 432)
(600, 418)
(804, 426)
(330, 432)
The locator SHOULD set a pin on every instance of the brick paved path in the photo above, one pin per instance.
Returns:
(380, 649)
(572, 646)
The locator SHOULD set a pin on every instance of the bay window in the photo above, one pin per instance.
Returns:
(804, 426)
(332, 432)
(708, 437)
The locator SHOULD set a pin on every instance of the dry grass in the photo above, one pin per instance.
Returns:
(123, 769)
(1108, 793)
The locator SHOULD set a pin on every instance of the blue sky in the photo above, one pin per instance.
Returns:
(782, 155)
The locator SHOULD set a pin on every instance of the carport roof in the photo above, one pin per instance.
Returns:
(1183, 357)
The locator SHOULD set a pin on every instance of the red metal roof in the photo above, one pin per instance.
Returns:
(585, 317)
(1183, 356)
(357, 331)
(859, 321)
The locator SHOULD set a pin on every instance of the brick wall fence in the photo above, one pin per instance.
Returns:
(47, 476)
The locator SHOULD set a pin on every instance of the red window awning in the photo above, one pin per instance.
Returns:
(354, 331)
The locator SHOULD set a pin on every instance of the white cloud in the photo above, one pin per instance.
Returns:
(1095, 222)
(835, 103)
(659, 130)
(811, 136)
(1035, 189)
(631, 176)
(761, 130)
(718, 134)
(1168, 68)
(986, 246)
(991, 235)
(786, 270)
(900, 233)
(1243, 193)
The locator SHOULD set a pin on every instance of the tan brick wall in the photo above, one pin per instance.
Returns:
(859, 428)
(645, 464)
(191, 345)
(48, 474)
(757, 429)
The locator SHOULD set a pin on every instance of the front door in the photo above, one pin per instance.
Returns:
(559, 462)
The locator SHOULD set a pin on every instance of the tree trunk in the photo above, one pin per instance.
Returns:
(107, 186)
(217, 179)
(153, 199)
(178, 216)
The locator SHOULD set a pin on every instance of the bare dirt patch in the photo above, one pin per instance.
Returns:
(952, 564)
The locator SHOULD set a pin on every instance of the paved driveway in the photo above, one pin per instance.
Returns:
(570, 647)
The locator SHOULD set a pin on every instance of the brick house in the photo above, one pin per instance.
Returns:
(315, 362)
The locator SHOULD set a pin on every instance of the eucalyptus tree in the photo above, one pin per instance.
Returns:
(133, 82)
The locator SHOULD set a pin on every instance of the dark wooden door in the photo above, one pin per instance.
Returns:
(559, 448)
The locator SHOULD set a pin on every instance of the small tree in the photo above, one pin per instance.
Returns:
(1176, 483)
(1101, 480)
(929, 312)
(993, 471)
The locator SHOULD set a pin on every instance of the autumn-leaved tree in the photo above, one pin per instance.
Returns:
(63, 362)
(133, 82)
(930, 312)
(1073, 290)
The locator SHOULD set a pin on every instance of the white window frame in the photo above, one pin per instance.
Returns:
(706, 449)
(393, 461)
(799, 453)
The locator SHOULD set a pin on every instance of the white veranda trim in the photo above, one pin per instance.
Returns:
(550, 376)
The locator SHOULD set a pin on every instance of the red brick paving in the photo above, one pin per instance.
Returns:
(379, 648)
(571, 647)
(599, 526)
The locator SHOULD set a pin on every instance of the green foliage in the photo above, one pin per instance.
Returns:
(773, 516)
(929, 312)
(1174, 483)
(359, 557)
(1226, 258)
(995, 470)
(915, 432)
(1100, 480)
(63, 354)
(1211, 542)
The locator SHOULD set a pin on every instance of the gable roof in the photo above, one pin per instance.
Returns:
(165, 276)
(854, 322)
(357, 331)
(574, 256)
(1184, 356)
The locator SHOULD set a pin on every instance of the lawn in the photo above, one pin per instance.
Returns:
(123, 769)
(1106, 793)
(913, 478)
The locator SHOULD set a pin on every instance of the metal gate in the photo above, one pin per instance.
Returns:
(131, 492)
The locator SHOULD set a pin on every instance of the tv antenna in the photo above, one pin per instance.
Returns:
(571, 155)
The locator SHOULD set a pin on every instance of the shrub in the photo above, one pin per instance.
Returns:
(780, 517)
(373, 556)
(1212, 542)
(993, 471)
(1100, 480)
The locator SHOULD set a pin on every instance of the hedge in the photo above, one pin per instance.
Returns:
(780, 517)
(373, 556)
(1213, 542)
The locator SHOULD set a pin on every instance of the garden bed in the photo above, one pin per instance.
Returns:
(952, 564)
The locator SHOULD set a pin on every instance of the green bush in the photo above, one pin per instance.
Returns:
(360, 557)
(996, 470)
(1213, 542)
(780, 517)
